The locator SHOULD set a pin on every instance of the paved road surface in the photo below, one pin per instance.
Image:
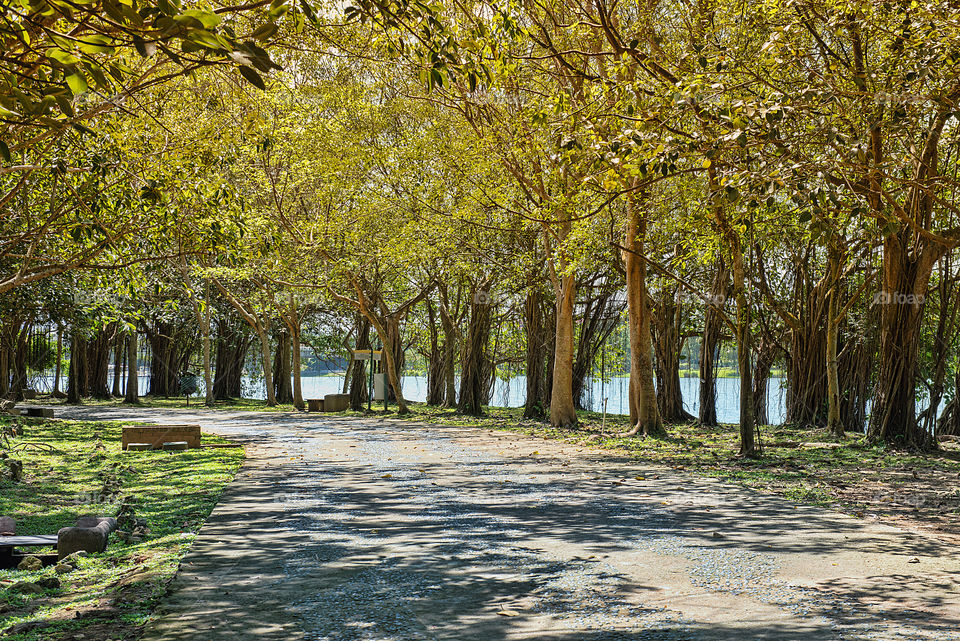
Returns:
(347, 529)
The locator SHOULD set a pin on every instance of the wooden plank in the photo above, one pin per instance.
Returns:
(41, 539)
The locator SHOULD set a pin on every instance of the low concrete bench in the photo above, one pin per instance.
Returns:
(314, 404)
(336, 402)
(88, 535)
(157, 435)
(175, 446)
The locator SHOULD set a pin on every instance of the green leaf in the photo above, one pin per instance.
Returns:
(65, 106)
(253, 77)
(62, 57)
(95, 43)
(206, 18)
(264, 32)
(77, 83)
(5, 151)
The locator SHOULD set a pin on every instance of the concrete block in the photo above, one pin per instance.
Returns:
(157, 435)
(336, 402)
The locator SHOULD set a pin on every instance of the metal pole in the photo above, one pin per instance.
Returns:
(370, 390)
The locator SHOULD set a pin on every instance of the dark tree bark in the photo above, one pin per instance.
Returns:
(98, 359)
(600, 317)
(436, 360)
(667, 346)
(537, 333)
(359, 381)
(118, 352)
(472, 385)
(282, 382)
(77, 373)
(766, 356)
(709, 342)
(132, 394)
(18, 369)
(164, 359)
(232, 346)
(906, 274)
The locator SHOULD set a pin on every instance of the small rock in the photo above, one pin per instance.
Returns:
(49, 583)
(30, 564)
(913, 559)
(64, 568)
(25, 587)
(717, 535)
(74, 559)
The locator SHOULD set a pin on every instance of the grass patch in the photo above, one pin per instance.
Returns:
(72, 468)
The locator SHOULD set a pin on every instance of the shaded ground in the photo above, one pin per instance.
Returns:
(346, 528)
(919, 491)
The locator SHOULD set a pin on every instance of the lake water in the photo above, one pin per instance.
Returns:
(511, 393)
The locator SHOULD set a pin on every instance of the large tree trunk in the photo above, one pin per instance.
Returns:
(906, 274)
(807, 389)
(118, 351)
(164, 360)
(98, 358)
(21, 345)
(436, 367)
(709, 341)
(644, 413)
(359, 382)
(451, 337)
(537, 345)
(668, 343)
(472, 383)
(232, 345)
(77, 374)
(282, 384)
(293, 320)
(563, 412)
(265, 358)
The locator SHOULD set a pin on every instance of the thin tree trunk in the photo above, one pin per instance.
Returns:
(132, 395)
(57, 367)
(644, 413)
(294, 325)
(207, 349)
(563, 412)
(118, 352)
(267, 364)
(712, 332)
(834, 422)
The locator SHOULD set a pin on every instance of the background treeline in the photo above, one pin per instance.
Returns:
(493, 188)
